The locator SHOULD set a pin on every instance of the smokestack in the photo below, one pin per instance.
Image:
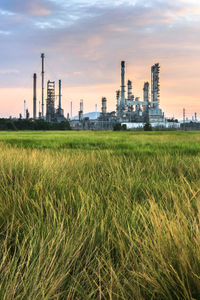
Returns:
(122, 103)
(81, 105)
(71, 109)
(104, 106)
(60, 96)
(117, 96)
(24, 109)
(39, 111)
(81, 111)
(155, 85)
(146, 92)
(27, 114)
(96, 110)
(42, 56)
(34, 95)
(129, 90)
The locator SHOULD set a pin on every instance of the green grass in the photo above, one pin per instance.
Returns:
(99, 215)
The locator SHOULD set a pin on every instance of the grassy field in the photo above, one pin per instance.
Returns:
(99, 215)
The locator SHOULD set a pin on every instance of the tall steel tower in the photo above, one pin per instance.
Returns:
(146, 92)
(60, 96)
(155, 85)
(129, 90)
(122, 102)
(34, 95)
(50, 114)
(42, 56)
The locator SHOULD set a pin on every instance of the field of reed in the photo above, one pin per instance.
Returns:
(99, 215)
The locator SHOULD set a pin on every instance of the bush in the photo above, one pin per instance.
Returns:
(124, 127)
(119, 127)
(147, 127)
(11, 126)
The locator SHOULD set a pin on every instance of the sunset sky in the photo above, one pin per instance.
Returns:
(84, 42)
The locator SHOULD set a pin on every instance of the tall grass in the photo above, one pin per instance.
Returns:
(100, 224)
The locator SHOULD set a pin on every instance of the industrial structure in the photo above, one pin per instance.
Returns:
(131, 111)
(34, 95)
(53, 114)
(50, 103)
(42, 56)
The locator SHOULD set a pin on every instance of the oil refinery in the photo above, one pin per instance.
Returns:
(131, 111)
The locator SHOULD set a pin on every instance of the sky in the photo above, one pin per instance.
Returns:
(84, 42)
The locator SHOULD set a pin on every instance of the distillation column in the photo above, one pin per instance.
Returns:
(50, 107)
(129, 90)
(71, 112)
(81, 111)
(118, 99)
(104, 105)
(60, 96)
(24, 109)
(34, 95)
(146, 102)
(122, 103)
(42, 56)
(155, 85)
(146, 92)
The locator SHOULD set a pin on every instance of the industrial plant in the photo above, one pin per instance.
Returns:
(53, 114)
(131, 111)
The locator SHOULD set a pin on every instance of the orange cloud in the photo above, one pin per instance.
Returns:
(37, 9)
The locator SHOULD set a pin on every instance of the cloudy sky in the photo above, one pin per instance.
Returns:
(84, 42)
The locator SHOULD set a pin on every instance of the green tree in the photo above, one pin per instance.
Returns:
(147, 127)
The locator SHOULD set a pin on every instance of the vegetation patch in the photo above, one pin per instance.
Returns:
(99, 215)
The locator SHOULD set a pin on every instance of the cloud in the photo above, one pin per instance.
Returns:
(84, 41)
(8, 71)
(5, 32)
(29, 7)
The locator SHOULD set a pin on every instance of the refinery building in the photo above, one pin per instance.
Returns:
(130, 111)
(133, 110)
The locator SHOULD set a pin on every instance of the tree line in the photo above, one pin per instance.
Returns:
(24, 124)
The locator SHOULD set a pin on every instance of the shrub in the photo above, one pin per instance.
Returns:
(147, 127)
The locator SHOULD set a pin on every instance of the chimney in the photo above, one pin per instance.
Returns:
(60, 96)
(129, 90)
(34, 95)
(104, 106)
(122, 103)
